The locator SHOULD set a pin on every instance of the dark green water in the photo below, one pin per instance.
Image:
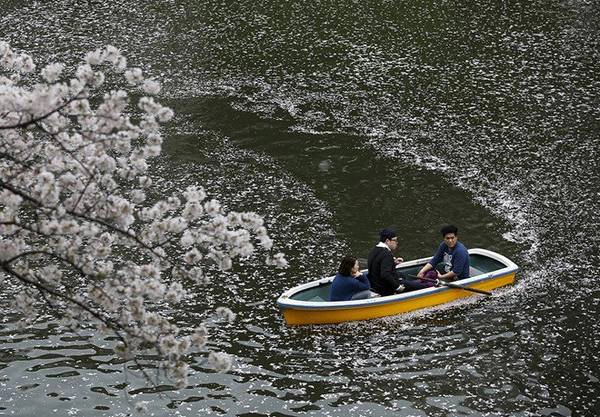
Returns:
(333, 119)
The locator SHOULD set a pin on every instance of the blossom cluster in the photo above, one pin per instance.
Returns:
(76, 224)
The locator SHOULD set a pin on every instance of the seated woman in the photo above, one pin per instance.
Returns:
(349, 283)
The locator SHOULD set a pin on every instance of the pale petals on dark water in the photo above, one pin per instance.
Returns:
(332, 121)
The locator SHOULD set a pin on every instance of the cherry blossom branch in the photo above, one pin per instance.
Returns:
(82, 193)
(22, 226)
(64, 149)
(71, 195)
(115, 327)
(20, 193)
(22, 125)
(99, 221)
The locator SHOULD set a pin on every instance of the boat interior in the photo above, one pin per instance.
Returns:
(479, 265)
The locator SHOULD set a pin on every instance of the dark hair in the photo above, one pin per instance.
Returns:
(386, 234)
(346, 265)
(449, 228)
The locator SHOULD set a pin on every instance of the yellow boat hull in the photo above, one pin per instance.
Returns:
(300, 316)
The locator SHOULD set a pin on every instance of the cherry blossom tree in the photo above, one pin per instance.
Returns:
(79, 235)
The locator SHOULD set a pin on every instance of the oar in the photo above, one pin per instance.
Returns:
(451, 285)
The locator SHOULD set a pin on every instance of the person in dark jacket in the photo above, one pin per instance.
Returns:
(349, 283)
(384, 278)
(452, 257)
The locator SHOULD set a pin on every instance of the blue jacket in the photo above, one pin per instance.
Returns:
(344, 287)
(455, 259)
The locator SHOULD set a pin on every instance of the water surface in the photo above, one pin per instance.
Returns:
(334, 119)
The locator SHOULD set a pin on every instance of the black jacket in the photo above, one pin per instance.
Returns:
(382, 271)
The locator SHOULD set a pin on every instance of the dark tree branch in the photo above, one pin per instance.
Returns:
(35, 120)
(64, 149)
(115, 327)
(125, 233)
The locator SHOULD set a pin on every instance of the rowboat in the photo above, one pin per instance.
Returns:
(309, 303)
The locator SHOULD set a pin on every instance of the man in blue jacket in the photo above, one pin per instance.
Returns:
(453, 256)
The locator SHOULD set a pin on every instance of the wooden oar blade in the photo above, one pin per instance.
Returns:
(460, 287)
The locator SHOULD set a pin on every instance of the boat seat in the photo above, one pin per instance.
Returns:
(316, 298)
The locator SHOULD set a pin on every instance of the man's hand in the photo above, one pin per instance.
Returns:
(398, 260)
(448, 276)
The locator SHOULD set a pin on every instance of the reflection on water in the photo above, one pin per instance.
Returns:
(334, 119)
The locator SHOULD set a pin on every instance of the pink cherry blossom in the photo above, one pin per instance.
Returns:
(76, 227)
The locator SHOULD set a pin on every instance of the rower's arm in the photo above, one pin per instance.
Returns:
(424, 270)
(448, 276)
